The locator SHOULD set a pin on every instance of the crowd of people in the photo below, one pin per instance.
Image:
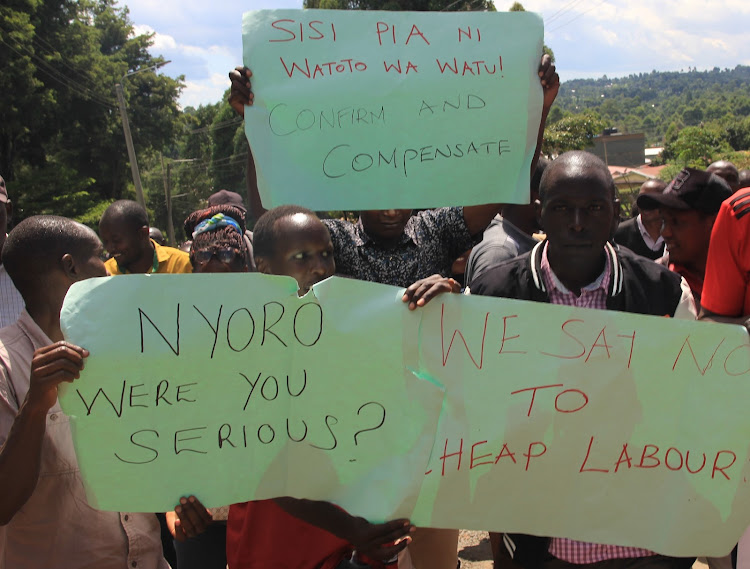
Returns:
(683, 255)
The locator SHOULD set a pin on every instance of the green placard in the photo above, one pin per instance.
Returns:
(378, 110)
(234, 388)
(589, 424)
(473, 412)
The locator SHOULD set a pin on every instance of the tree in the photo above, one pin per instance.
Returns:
(61, 145)
(697, 147)
(573, 132)
(518, 7)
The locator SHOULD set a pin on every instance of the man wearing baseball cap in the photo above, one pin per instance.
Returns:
(11, 302)
(688, 209)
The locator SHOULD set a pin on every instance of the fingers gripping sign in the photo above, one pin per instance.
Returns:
(190, 518)
(51, 365)
(240, 93)
(381, 542)
(549, 79)
(424, 290)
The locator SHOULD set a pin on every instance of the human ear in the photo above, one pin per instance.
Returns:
(68, 264)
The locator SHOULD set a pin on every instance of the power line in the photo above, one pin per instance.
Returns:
(565, 8)
(60, 78)
(573, 19)
(216, 126)
(38, 39)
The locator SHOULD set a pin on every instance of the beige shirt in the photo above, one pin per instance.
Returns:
(11, 302)
(56, 528)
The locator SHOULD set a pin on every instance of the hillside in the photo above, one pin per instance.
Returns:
(652, 102)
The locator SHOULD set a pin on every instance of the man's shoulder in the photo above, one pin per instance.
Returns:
(176, 261)
(171, 252)
(627, 226)
(650, 272)
(438, 217)
(738, 206)
(111, 266)
(507, 279)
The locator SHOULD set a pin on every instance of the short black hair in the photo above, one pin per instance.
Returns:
(580, 160)
(536, 178)
(36, 245)
(126, 211)
(264, 232)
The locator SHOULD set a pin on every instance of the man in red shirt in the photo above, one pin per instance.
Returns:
(688, 208)
(726, 289)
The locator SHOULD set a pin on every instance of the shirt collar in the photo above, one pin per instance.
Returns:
(551, 280)
(511, 229)
(159, 256)
(361, 237)
(647, 239)
(38, 337)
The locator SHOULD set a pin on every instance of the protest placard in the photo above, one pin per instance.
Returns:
(591, 424)
(378, 110)
(231, 387)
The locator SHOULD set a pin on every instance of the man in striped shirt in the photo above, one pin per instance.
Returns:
(578, 266)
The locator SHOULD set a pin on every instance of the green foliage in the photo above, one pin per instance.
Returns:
(62, 148)
(696, 146)
(669, 172)
(572, 132)
(518, 7)
(661, 103)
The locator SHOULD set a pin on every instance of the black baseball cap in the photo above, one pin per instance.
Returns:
(691, 189)
(225, 197)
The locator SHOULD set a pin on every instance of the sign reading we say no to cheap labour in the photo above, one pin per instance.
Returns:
(374, 110)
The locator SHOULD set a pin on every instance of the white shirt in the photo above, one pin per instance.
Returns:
(657, 245)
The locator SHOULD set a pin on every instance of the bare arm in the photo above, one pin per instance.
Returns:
(21, 455)
(241, 94)
(377, 541)
(478, 217)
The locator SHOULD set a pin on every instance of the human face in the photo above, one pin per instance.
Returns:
(124, 243)
(687, 234)
(579, 216)
(218, 258)
(92, 265)
(651, 219)
(304, 251)
(728, 172)
(385, 225)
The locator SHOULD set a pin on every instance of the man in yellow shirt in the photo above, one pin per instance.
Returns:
(124, 229)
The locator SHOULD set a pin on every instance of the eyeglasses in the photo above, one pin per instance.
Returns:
(225, 255)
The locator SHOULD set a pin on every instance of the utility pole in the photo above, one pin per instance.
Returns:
(129, 144)
(168, 198)
(126, 130)
(168, 194)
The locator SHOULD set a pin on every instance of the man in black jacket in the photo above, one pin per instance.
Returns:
(578, 266)
(641, 233)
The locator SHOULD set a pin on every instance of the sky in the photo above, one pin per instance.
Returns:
(590, 38)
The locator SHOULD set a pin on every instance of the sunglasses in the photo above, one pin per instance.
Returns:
(225, 255)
